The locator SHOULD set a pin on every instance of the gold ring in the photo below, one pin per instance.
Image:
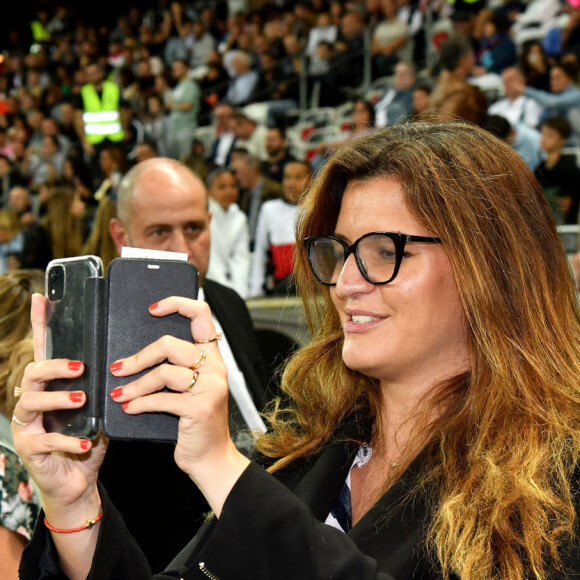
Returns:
(199, 363)
(193, 381)
(17, 391)
(18, 422)
(216, 336)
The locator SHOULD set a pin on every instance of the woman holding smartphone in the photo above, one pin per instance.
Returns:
(430, 428)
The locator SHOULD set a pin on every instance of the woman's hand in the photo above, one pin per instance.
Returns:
(204, 448)
(65, 468)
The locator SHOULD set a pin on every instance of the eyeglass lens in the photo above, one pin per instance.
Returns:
(377, 255)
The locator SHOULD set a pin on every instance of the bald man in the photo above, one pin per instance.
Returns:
(163, 205)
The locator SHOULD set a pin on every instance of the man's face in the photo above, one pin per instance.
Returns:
(551, 140)
(223, 115)
(275, 143)
(178, 70)
(18, 200)
(559, 80)
(404, 77)
(168, 211)
(512, 82)
(242, 128)
(94, 74)
(243, 172)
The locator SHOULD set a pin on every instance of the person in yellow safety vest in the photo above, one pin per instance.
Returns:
(99, 121)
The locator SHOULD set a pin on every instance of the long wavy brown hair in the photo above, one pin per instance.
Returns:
(16, 289)
(65, 230)
(499, 459)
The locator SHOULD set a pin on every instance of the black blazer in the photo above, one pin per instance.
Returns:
(272, 530)
(144, 473)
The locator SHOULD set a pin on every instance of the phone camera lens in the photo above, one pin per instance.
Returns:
(52, 275)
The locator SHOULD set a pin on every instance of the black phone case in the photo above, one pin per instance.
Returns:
(130, 287)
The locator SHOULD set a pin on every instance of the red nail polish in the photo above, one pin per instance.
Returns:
(76, 397)
(84, 444)
(154, 306)
(125, 405)
(117, 392)
(74, 365)
(116, 366)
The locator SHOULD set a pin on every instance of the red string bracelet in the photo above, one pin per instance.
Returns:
(87, 526)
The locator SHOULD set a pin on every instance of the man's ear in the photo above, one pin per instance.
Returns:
(118, 233)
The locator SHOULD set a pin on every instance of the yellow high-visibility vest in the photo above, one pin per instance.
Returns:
(101, 117)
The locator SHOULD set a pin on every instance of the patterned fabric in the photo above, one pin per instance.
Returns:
(340, 515)
(19, 508)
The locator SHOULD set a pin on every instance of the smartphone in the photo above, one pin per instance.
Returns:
(133, 284)
(99, 319)
(70, 305)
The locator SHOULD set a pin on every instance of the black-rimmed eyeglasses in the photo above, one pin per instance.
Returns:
(378, 255)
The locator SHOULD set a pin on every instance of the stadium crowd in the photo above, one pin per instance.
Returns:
(206, 82)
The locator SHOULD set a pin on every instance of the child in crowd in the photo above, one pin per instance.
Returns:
(275, 235)
(229, 261)
(558, 173)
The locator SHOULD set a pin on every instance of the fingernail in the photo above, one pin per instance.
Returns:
(125, 405)
(116, 366)
(154, 306)
(76, 397)
(117, 392)
(84, 444)
(74, 365)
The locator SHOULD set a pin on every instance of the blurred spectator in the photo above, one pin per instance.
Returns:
(535, 66)
(272, 264)
(47, 165)
(278, 154)
(134, 130)
(196, 159)
(250, 135)
(558, 173)
(155, 124)
(225, 137)
(324, 31)
(9, 177)
(36, 246)
(321, 60)
(453, 96)
(363, 123)
(347, 65)
(389, 37)
(563, 100)
(421, 106)
(63, 222)
(243, 81)
(515, 106)
(26, 207)
(65, 117)
(522, 138)
(184, 106)
(535, 21)
(202, 43)
(570, 33)
(214, 86)
(145, 150)
(277, 89)
(255, 189)
(397, 102)
(229, 261)
(11, 240)
(496, 50)
(97, 113)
